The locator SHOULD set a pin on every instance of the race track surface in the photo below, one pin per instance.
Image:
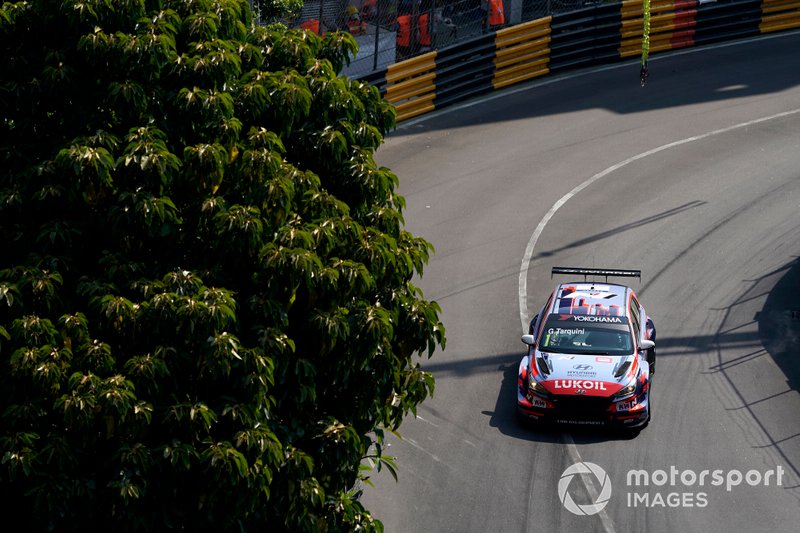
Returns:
(695, 180)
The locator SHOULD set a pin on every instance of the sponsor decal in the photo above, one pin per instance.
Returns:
(598, 289)
(624, 406)
(577, 374)
(582, 371)
(566, 357)
(603, 360)
(592, 318)
(579, 384)
(591, 387)
(538, 402)
(566, 331)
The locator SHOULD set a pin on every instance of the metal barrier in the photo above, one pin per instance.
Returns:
(779, 15)
(725, 20)
(410, 85)
(592, 35)
(672, 25)
(465, 70)
(585, 37)
(522, 52)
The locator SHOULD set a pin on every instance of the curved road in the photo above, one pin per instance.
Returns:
(695, 180)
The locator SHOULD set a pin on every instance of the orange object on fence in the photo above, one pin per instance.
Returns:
(310, 25)
(423, 30)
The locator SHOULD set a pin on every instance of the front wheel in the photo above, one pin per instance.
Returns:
(649, 406)
(651, 360)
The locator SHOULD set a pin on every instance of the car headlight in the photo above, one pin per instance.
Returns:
(625, 391)
(535, 385)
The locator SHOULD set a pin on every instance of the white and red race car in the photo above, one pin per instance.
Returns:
(591, 355)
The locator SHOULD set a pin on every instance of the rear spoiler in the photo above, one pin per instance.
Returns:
(606, 272)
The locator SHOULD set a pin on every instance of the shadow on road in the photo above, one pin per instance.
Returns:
(778, 333)
(779, 323)
(730, 72)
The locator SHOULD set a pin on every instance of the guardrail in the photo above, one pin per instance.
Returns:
(779, 15)
(593, 35)
(522, 52)
(585, 37)
(465, 70)
(410, 85)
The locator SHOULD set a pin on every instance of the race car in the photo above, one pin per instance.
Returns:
(591, 354)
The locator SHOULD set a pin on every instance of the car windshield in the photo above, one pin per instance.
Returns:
(586, 334)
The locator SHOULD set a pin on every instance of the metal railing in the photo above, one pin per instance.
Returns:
(588, 36)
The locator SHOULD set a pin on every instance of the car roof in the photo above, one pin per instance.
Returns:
(590, 298)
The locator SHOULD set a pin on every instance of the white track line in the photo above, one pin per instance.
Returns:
(575, 457)
(572, 450)
(526, 259)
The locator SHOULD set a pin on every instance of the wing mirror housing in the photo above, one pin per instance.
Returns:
(530, 340)
(645, 344)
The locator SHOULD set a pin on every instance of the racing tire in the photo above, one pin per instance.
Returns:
(649, 406)
(651, 360)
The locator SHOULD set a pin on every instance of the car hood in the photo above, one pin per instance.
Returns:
(587, 375)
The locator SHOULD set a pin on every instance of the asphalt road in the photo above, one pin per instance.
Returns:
(695, 180)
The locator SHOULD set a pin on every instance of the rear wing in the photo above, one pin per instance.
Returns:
(606, 272)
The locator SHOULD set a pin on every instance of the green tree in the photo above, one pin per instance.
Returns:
(269, 10)
(207, 316)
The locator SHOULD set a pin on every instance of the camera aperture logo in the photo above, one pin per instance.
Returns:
(665, 488)
(584, 509)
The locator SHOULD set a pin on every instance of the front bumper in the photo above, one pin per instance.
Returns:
(584, 411)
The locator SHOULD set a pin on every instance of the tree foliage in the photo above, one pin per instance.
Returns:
(207, 316)
(268, 10)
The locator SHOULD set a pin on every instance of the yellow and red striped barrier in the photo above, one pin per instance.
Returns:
(672, 25)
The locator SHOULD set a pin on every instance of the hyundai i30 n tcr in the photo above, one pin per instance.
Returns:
(591, 354)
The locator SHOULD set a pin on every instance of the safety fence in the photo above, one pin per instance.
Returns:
(390, 31)
(594, 35)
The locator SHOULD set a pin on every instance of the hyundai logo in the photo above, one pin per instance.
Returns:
(582, 367)
(580, 391)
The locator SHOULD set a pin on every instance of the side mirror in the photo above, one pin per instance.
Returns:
(530, 340)
(646, 344)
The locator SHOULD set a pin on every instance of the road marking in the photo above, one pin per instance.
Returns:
(572, 451)
(526, 259)
(413, 443)
(569, 443)
(426, 421)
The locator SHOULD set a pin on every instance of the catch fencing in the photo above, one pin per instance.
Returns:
(390, 31)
